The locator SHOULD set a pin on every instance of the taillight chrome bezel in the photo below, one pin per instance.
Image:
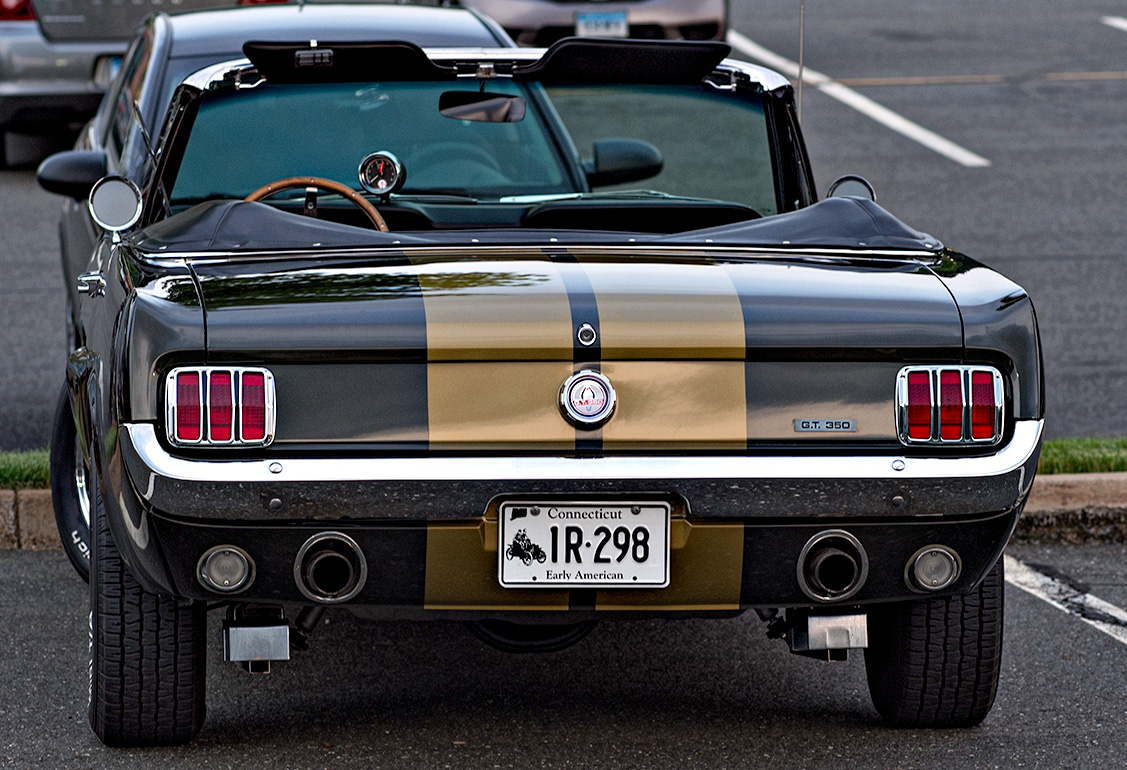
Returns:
(965, 379)
(236, 439)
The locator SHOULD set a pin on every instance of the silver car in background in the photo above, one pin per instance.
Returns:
(543, 22)
(48, 87)
(57, 58)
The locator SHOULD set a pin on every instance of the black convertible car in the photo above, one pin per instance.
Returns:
(529, 338)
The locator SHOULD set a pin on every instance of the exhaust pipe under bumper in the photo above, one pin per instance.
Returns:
(330, 568)
(833, 566)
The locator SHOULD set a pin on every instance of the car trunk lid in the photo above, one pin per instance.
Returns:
(706, 351)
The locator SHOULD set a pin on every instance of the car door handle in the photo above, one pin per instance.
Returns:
(92, 283)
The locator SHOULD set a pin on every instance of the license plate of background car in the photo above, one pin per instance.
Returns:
(588, 544)
(601, 25)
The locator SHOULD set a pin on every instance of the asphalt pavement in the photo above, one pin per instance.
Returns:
(645, 694)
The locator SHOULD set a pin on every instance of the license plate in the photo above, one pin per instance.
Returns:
(602, 25)
(593, 544)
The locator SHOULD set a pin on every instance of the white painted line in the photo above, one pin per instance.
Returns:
(1118, 22)
(1092, 610)
(859, 102)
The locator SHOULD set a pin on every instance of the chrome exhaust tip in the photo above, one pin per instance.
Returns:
(832, 566)
(330, 568)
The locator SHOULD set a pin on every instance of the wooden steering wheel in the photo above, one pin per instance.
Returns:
(321, 183)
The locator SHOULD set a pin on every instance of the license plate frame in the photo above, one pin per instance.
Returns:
(614, 24)
(544, 559)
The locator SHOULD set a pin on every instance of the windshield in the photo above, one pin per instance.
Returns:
(710, 144)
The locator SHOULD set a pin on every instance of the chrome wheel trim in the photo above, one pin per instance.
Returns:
(82, 492)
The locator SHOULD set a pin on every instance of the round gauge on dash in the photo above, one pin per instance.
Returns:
(381, 173)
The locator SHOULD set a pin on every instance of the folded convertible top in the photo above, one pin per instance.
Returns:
(850, 223)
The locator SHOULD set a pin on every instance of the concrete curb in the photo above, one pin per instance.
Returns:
(1064, 508)
(1076, 508)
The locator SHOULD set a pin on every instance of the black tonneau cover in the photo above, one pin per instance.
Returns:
(850, 223)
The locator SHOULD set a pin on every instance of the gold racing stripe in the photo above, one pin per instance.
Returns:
(461, 572)
(499, 345)
(666, 310)
(687, 404)
(705, 571)
(495, 311)
(479, 405)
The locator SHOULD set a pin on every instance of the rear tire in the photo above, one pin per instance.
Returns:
(147, 653)
(935, 662)
(70, 495)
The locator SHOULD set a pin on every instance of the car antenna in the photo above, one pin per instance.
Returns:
(801, 51)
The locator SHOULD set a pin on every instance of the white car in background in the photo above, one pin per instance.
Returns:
(543, 22)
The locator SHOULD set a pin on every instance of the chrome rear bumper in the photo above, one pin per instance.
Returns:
(462, 487)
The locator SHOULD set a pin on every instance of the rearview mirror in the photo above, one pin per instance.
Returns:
(481, 107)
(115, 204)
(622, 160)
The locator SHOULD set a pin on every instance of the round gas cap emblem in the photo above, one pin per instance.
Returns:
(587, 399)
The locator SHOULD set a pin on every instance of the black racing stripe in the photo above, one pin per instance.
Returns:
(582, 598)
(749, 311)
(584, 310)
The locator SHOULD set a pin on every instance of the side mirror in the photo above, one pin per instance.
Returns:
(852, 186)
(115, 204)
(72, 173)
(622, 160)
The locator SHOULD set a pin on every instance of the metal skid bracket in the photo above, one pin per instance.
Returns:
(826, 637)
(255, 637)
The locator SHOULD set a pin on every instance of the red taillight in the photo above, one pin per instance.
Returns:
(188, 401)
(954, 397)
(950, 405)
(220, 407)
(253, 406)
(919, 405)
(983, 407)
(217, 406)
(16, 10)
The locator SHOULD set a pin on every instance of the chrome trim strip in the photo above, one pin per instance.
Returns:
(143, 436)
(486, 251)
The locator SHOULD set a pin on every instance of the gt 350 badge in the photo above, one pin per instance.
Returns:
(825, 426)
(587, 399)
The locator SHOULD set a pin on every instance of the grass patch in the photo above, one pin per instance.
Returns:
(1083, 455)
(24, 470)
(28, 470)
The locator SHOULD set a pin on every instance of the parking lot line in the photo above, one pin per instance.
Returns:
(859, 102)
(1119, 22)
(1068, 598)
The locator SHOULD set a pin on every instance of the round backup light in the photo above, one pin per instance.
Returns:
(934, 568)
(226, 569)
